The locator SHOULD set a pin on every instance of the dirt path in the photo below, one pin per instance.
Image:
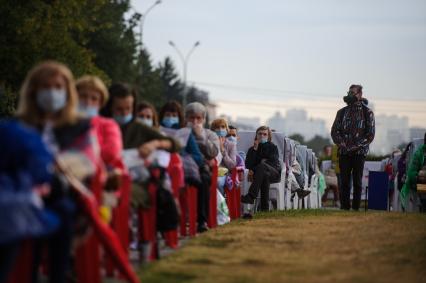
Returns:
(303, 246)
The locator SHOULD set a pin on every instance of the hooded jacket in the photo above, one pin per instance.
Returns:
(354, 128)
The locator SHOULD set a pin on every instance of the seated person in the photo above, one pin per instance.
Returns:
(416, 175)
(92, 95)
(240, 157)
(227, 159)
(25, 174)
(208, 142)
(264, 167)
(171, 117)
(121, 106)
(228, 148)
(147, 114)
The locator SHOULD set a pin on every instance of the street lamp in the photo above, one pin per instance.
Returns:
(185, 60)
(143, 16)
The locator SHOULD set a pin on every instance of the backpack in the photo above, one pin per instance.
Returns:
(167, 210)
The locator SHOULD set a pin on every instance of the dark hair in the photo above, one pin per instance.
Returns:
(326, 146)
(358, 87)
(118, 90)
(143, 105)
(232, 128)
(264, 128)
(172, 106)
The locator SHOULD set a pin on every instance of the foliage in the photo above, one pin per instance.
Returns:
(298, 137)
(317, 144)
(91, 37)
(8, 101)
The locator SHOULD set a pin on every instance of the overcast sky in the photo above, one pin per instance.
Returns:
(272, 55)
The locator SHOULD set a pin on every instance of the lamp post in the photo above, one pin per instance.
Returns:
(143, 16)
(185, 60)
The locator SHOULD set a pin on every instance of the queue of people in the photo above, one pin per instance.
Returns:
(83, 129)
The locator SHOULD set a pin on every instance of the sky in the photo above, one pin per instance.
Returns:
(257, 57)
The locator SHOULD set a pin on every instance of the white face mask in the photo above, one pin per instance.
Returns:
(51, 100)
(147, 122)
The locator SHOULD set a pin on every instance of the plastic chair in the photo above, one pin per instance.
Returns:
(120, 217)
(148, 223)
(212, 218)
(88, 254)
(175, 171)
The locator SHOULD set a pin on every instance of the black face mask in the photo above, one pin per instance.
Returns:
(350, 98)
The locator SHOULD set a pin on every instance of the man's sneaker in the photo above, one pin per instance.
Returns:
(247, 199)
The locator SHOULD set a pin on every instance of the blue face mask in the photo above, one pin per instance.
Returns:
(146, 122)
(51, 100)
(263, 140)
(232, 139)
(221, 133)
(89, 111)
(122, 120)
(168, 122)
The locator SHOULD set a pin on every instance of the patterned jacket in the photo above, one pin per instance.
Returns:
(354, 128)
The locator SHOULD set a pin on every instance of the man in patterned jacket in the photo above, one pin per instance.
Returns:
(353, 130)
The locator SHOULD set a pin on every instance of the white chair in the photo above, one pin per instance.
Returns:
(290, 157)
(277, 190)
(301, 156)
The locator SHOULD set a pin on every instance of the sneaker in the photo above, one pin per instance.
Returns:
(247, 199)
(202, 228)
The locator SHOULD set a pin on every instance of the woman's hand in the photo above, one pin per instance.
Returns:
(147, 148)
(198, 129)
(222, 144)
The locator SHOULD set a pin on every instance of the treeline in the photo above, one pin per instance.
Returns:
(91, 37)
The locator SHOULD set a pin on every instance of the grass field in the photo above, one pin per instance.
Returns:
(302, 246)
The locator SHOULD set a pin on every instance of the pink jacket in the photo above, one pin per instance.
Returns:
(109, 137)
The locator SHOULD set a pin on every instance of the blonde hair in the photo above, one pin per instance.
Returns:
(29, 111)
(93, 83)
(219, 122)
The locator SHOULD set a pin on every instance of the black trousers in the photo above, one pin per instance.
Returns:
(351, 165)
(203, 202)
(264, 175)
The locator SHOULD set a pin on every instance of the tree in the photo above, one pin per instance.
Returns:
(298, 137)
(33, 31)
(172, 86)
(149, 84)
(317, 143)
(113, 42)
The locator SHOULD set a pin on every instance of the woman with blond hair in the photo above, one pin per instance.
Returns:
(93, 95)
(264, 167)
(48, 102)
(228, 148)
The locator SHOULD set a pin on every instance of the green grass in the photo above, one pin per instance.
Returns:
(302, 246)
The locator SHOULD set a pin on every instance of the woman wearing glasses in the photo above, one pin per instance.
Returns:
(264, 167)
